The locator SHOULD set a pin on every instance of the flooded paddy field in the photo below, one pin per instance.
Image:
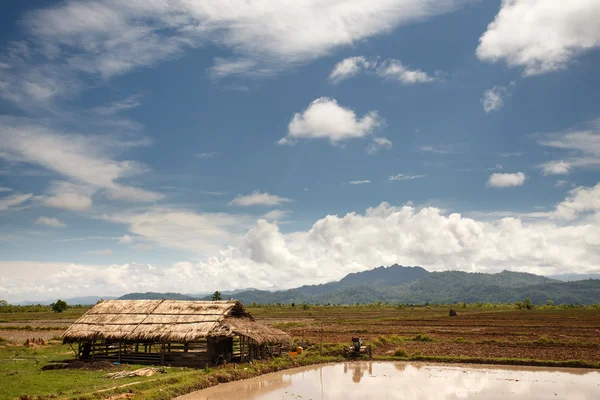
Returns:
(414, 381)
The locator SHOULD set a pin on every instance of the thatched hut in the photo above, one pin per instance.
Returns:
(172, 332)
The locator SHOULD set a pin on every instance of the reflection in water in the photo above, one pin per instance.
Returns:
(409, 381)
(358, 370)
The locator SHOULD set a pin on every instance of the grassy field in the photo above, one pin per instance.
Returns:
(500, 335)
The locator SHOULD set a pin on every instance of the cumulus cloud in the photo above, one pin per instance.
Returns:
(389, 69)
(402, 177)
(493, 99)
(395, 70)
(539, 35)
(53, 222)
(499, 180)
(88, 161)
(556, 168)
(257, 198)
(326, 119)
(349, 67)
(334, 246)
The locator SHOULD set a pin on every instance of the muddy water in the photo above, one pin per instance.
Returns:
(410, 381)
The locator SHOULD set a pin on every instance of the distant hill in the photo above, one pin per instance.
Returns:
(84, 301)
(415, 285)
(156, 296)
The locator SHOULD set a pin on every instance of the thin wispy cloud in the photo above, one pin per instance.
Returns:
(258, 198)
(402, 177)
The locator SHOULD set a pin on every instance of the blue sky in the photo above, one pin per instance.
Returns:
(208, 145)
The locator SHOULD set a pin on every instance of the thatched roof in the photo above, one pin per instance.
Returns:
(169, 321)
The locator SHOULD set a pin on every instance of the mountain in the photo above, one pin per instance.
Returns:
(415, 285)
(156, 296)
(84, 301)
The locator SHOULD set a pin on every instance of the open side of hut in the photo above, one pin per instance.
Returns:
(172, 332)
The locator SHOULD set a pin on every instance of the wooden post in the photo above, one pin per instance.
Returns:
(162, 354)
(93, 350)
(119, 359)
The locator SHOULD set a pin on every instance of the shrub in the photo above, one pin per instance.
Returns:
(422, 338)
(460, 340)
(400, 352)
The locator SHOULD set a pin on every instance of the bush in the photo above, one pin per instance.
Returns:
(422, 338)
(460, 340)
(400, 352)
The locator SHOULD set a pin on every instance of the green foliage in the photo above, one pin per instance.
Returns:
(59, 306)
(549, 303)
(400, 352)
(216, 296)
(422, 338)
(460, 340)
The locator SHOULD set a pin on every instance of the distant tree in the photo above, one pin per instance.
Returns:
(293, 305)
(59, 306)
(527, 303)
(216, 296)
(550, 303)
(3, 303)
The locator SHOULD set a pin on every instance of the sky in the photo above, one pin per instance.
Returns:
(191, 145)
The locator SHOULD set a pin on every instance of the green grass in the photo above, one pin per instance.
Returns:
(21, 373)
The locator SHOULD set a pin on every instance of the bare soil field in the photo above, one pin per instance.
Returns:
(542, 334)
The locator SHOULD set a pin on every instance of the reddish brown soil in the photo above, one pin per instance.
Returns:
(558, 335)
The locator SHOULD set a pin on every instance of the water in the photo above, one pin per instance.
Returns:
(410, 381)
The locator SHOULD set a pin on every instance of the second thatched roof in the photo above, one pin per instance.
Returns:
(169, 321)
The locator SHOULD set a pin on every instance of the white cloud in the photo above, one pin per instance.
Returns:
(257, 198)
(395, 70)
(88, 161)
(561, 183)
(5, 189)
(379, 143)
(325, 119)
(580, 200)
(581, 143)
(541, 35)
(204, 156)
(493, 99)
(105, 252)
(53, 222)
(349, 67)
(9, 202)
(440, 149)
(402, 177)
(106, 38)
(389, 69)
(263, 257)
(359, 182)
(199, 233)
(116, 107)
(126, 239)
(512, 154)
(499, 180)
(215, 193)
(68, 196)
(556, 168)
(276, 215)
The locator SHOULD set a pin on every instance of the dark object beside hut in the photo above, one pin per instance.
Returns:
(453, 313)
(172, 332)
